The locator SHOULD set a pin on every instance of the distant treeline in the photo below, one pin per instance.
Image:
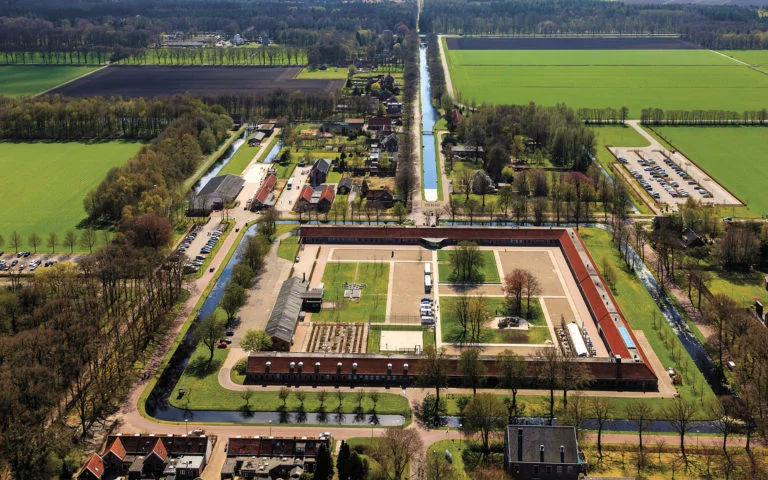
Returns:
(148, 183)
(61, 118)
(288, 105)
(657, 116)
(603, 115)
(126, 28)
(557, 132)
(712, 26)
(407, 160)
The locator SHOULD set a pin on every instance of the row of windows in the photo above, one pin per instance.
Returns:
(537, 469)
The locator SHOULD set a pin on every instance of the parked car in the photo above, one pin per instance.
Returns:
(229, 333)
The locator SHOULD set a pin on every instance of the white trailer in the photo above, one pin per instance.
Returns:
(427, 284)
(428, 268)
(577, 341)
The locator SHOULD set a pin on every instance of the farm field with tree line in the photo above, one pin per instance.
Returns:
(31, 80)
(45, 183)
(663, 78)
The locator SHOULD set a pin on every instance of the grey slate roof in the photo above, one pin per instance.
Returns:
(534, 436)
(345, 182)
(322, 164)
(285, 314)
(228, 186)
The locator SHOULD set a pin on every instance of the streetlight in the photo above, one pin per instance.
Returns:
(371, 431)
(697, 439)
(460, 436)
(270, 428)
(186, 425)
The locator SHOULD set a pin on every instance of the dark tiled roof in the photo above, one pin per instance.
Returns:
(285, 314)
(379, 122)
(345, 182)
(377, 193)
(552, 438)
(322, 164)
(226, 185)
(273, 447)
(174, 444)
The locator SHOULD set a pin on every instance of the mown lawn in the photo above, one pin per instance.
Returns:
(489, 272)
(45, 183)
(638, 79)
(331, 73)
(203, 392)
(237, 164)
(288, 248)
(734, 156)
(18, 80)
(639, 308)
(538, 333)
(373, 301)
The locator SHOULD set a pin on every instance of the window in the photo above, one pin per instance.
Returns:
(549, 468)
(559, 469)
(535, 469)
(570, 469)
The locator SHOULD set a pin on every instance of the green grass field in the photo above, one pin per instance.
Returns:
(734, 156)
(200, 381)
(331, 73)
(538, 333)
(639, 308)
(489, 272)
(756, 58)
(243, 156)
(668, 79)
(373, 301)
(30, 80)
(288, 248)
(45, 183)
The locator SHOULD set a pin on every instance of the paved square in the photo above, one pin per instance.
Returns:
(538, 262)
(396, 340)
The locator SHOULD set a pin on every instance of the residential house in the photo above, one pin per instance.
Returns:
(149, 456)
(355, 123)
(464, 151)
(344, 187)
(284, 318)
(482, 183)
(266, 128)
(256, 139)
(318, 198)
(319, 172)
(379, 123)
(271, 457)
(542, 453)
(691, 239)
(380, 197)
(391, 143)
(265, 196)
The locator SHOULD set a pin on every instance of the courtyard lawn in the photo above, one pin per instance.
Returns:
(489, 272)
(30, 80)
(538, 333)
(203, 392)
(373, 301)
(640, 310)
(288, 248)
(637, 79)
(733, 156)
(374, 335)
(45, 184)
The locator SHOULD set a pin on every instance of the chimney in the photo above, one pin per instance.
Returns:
(618, 366)
(562, 454)
(519, 444)
(541, 453)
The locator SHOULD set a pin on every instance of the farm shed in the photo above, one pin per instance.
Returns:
(285, 314)
(215, 194)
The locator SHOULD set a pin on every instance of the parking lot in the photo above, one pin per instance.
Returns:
(669, 177)
(27, 262)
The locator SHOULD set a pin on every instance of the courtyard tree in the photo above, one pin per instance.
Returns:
(467, 261)
(396, 448)
(514, 286)
(484, 414)
(472, 367)
(512, 369)
(532, 288)
(477, 318)
(258, 341)
(209, 331)
(268, 223)
(460, 310)
(283, 395)
(434, 373)
(400, 212)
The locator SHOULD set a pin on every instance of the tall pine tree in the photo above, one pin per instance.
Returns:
(342, 461)
(324, 466)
